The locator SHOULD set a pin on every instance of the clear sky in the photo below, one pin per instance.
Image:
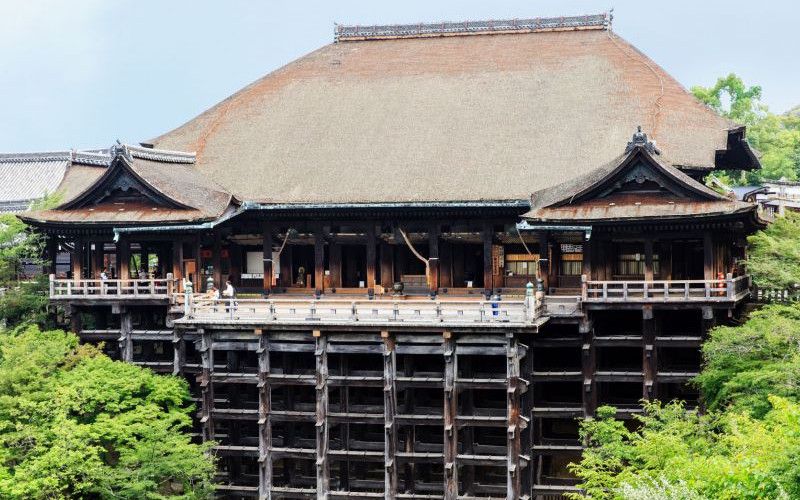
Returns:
(82, 73)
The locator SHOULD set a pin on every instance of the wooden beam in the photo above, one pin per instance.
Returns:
(319, 260)
(266, 248)
(264, 420)
(389, 412)
(323, 467)
(433, 258)
(450, 411)
(371, 251)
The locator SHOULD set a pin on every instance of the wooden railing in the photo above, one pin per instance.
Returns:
(106, 289)
(199, 308)
(728, 289)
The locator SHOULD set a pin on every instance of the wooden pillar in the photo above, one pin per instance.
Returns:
(235, 257)
(319, 260)
(75, 320)
(178, 352)
(123, 258)
(323, 467)
(433, 259)
(285, 259)
(446, 265)
(77, 259)
(514, 427)
(216, 259)
(335, 263)
(267, 258)
(648, 259)
(588, 364)
(387, 269)
(587, 259)
(125, 341)
(649, 361)
(51, 253)
(665, 260)
(198, 264)
(371, 251)
(554, 257)
(99, 262)
(206, 386)
(708, 256)
(264, 419)
(488, 236)
(450, 411)
(389, 412)
(177, 260)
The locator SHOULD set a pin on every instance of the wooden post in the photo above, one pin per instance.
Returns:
(51, 254)
(198, 264)
(708, 256)
(267, 257)
(514, 422)
(99, 262)
(433, 259)
(177, 260)
(123, 258)
(206, 386)
(649, 361)
(125, 341)
(446, 264)
(588, 364)
(286, 266)
(178, 352)
(389, 412)
(335, 263)
(319, 260)
(264, 419)
(648, 259)
(323, 467)
(371, 251)
(450, 411)
(217, 259)
(387, 269)
(488, 236)
(587, 259)
(554, 257)
(77, 259)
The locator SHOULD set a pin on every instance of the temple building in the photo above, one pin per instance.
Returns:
(448, 243)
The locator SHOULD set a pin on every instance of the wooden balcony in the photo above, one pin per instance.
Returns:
(365, 312)
(726, 290)
(99, 291)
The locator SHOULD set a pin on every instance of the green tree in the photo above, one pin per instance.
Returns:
(775, 137)
(774, 253)
(75, 424)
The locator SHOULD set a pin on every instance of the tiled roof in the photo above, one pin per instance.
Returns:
(26, 178)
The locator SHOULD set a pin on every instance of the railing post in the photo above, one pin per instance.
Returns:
(152, 286)
(707, 285)
(729, 285)
(644, 289)
(187, 299)
(666, 290)
(52, 285)
(584, 287)
(624, 291)
(354, 311)
(686, 290)
(605, 290)
(169, 286)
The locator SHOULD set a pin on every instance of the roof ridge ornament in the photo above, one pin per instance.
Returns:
(640, 140)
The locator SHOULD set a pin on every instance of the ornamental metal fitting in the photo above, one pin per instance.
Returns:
(640, 139)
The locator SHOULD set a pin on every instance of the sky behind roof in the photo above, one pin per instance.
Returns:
(83, 73)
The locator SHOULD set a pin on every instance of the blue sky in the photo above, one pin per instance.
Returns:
(82, 73)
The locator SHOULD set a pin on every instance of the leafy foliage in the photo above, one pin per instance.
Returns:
(747, 363)
(774, 253)
(679, 453)
(776, 137)
(75, 424)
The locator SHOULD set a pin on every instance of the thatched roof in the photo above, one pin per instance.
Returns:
(480, 117)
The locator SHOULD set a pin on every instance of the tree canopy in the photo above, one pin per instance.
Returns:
(75, 424)
(775, 137)
(774, 254)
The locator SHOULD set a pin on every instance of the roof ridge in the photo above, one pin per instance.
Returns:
(447, 28)
(100, 157)
(36, 156)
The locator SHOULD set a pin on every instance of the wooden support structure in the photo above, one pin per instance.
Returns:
(319, 260)
(450, 412)
(125, 342)
(514, 420)
(198, 264)
(708, 256)
(389, 412)
(51, 253)
(587, 259)
(178, 352)
(78, 253)
(371, 257)
(387, 267)
(98, 258)
(216, 260)
(433, 258)
(123, 257)
(177, 259)
(488, 238)
(648, 259)
(206, 386)
(264, 419)
(335, 263)
(266, 249)
(649, 361)
(322, 431)
(588, 367)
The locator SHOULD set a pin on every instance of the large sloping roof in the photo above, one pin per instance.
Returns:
(441, 116)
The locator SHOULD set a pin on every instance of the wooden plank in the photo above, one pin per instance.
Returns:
(450, 412)
(389, 411)
(322, 438)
